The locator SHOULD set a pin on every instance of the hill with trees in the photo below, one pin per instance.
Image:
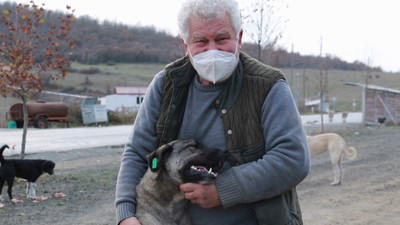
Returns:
(110, 42)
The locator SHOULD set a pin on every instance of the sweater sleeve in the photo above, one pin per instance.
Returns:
(286, 162)
(142, 141)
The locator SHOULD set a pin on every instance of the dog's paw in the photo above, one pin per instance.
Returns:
(16, 200)
(31, 196)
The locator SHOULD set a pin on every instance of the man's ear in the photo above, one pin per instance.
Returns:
(185, 46)
(240, 39)
(155, 160)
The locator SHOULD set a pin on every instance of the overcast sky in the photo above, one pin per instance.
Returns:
(349, 29)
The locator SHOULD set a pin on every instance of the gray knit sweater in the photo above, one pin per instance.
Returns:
(237, 186)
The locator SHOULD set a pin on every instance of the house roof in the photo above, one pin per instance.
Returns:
(372, 87)
(312, 102)
(130, 90)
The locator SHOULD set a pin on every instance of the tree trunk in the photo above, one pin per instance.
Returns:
(25, 127)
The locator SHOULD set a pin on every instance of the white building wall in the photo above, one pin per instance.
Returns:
(116, 102)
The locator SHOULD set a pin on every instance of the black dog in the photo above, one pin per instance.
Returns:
(29, 169)
(381, 120)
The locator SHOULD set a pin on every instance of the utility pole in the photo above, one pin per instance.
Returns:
(321, 96)
(303, 103)
(291, 70)
(365, 92)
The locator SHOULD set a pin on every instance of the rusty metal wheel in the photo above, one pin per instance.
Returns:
(41, 122)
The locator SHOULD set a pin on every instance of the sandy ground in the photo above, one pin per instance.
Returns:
(369, 193)
(370, 189)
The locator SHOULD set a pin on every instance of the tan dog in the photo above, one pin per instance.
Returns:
(336, 147)
(159, 200)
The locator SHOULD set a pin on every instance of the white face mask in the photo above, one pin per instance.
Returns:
(215, 65)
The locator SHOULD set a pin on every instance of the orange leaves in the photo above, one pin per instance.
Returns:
(25, 15)
(3, 93)
(49, 52)
(6, 12)
(60, 195)
(32, 48)
(64, 73)
(40, 198)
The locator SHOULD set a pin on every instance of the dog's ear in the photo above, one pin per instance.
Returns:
(183, 144)
(155, 160)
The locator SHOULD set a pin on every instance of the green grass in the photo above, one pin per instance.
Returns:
(91, 179)
(125, 74)
(110, 76)
(344, 94)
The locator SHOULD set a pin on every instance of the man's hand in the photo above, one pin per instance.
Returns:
(130, 221)
(203, 195)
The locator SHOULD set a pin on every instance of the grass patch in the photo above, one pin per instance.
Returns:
(91, 179)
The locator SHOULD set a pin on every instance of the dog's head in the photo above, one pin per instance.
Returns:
(48, 166)
(187, 161)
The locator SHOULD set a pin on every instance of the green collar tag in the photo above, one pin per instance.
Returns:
(154, 163)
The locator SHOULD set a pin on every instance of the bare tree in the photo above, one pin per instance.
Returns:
(323, 83)
(263, 25)
(29, 49)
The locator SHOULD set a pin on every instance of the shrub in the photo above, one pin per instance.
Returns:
(91, 70)
(121, 118)
(75, 114)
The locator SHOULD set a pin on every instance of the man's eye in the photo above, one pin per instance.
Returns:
(224, 38)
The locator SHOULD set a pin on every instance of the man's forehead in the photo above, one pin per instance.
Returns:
(197, 34)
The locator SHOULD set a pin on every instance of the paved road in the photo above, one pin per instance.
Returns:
(65, 139)
(355, 117)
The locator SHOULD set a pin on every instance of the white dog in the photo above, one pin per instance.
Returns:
(336, 147)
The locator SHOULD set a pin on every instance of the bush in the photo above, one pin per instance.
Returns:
(91, 70)
(75, 114)
(114, 118)
(121, 118)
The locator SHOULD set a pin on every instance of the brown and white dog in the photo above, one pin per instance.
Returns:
(336, 146)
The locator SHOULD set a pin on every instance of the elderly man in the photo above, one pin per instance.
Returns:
(224, 99)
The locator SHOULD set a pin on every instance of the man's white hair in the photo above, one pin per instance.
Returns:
(207, 9)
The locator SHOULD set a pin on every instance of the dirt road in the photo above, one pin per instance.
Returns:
(370, 189)
(369, 193)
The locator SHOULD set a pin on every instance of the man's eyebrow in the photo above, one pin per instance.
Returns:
(198, 35)
(222, 32)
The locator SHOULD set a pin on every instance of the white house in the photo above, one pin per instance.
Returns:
(127, 99)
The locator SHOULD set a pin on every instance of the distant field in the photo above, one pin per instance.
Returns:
(344, 94)
(110, 76)
(104, 82)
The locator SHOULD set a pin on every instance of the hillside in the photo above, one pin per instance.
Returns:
(110, 54)
(107, 42)
(109, 76)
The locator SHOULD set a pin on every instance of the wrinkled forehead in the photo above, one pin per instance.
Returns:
(183, 145)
